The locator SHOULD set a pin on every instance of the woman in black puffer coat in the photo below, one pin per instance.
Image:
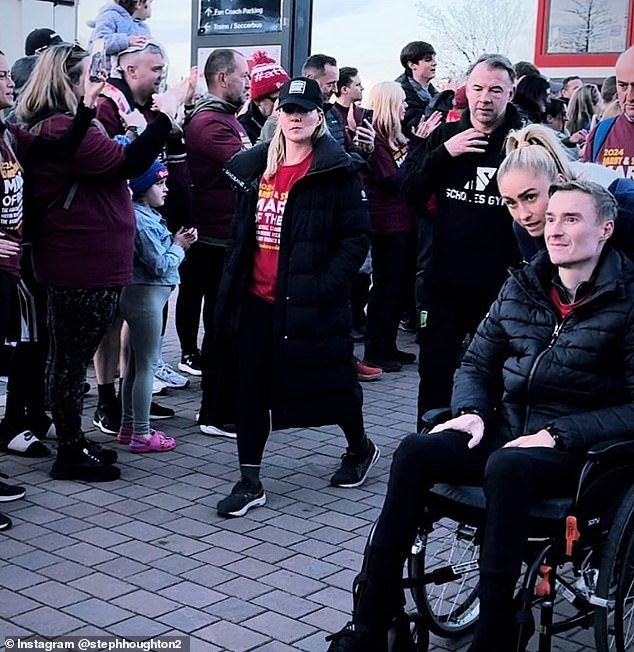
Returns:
(284, 298)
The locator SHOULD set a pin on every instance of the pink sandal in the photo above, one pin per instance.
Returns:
(156, 443)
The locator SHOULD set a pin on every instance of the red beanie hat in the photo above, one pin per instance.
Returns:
(266, 75)
(460, 98)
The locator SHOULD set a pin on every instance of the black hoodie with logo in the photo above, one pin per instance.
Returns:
(469, 244)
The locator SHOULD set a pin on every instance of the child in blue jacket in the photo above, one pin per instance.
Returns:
(157, 256)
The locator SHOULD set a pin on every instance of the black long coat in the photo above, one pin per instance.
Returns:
(526, 369)
(323, 243)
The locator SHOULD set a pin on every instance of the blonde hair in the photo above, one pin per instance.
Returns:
(49, 89)
(612, 110)
(583, 105)
(536, 148)
(277, 149)
(385, 99)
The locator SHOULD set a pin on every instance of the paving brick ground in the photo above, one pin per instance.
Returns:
(147, 555)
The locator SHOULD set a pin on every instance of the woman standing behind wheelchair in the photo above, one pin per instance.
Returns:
(535, 159)
(549, 373)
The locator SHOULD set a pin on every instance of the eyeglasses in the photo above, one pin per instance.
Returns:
(5, 74)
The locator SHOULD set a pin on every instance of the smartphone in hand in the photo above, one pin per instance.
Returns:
(97, 60)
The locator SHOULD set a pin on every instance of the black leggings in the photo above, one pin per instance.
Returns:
(255, 378)
(77, 321)
(511, 477)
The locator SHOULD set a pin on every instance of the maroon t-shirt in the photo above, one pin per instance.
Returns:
(11, 196)
(617, 151)
(388, 211)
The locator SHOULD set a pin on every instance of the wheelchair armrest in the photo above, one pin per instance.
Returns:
(610, 449)
(433, 417)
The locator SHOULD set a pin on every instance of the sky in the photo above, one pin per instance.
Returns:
(367, 34)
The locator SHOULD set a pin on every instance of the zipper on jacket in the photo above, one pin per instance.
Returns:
(531, 374)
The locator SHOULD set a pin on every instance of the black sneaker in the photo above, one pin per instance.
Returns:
(387, 364)
(84, 466)
(190, 364)
(353, 638)
(243, 497)
(160, 411)
(5, 523)
(354, 469)
(403, 357)
(9, 492)
(107, 418)
(105, 455)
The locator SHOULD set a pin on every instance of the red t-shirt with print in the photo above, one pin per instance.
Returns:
(272, 195)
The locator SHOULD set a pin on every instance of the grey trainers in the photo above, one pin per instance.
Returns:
(243, 497)
(354, 469)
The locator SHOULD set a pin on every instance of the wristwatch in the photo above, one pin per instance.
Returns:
(552, 431)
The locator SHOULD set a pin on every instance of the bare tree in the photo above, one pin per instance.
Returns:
(464, 29)
(590, 27)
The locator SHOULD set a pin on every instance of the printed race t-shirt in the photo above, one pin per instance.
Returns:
(11, 186)
(272, 196)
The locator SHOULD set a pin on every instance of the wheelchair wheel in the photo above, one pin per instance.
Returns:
(614, 620)
(448, 603)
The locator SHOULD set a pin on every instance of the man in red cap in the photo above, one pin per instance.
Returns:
(267, 76)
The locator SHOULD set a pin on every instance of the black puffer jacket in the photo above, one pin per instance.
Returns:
(526, 369)
(323, 242)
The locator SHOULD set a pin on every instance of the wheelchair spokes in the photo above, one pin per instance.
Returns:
(443, 571)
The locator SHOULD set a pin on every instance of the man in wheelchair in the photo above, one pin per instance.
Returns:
(548, 374)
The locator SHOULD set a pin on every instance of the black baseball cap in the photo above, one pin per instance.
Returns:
(40, 39)
(302, 92)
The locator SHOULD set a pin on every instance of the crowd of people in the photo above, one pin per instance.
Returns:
(296, 219)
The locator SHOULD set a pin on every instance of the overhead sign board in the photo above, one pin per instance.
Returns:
(239, 17)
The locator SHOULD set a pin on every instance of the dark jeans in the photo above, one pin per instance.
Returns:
(391, 280)
(77, 321)
(452, 315)
(511, 477)
(255, 380)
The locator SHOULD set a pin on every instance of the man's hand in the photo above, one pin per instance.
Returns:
(472, 424)
(364, 136)
(8, 248)
(426, 126)
(469, 141)
(541, 439)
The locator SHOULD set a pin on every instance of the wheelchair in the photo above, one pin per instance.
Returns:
(580, 554)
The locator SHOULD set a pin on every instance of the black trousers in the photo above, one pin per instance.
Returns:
(451, 316)
(200, 275)
(511, 477)
(26, 403)
(77, 321)
(255, 384)
(392, 273)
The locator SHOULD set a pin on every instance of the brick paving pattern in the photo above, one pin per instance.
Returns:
(147, 555)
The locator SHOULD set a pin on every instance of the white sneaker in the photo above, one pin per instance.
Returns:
(158, 388)
(170, 378)
(223, 430)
